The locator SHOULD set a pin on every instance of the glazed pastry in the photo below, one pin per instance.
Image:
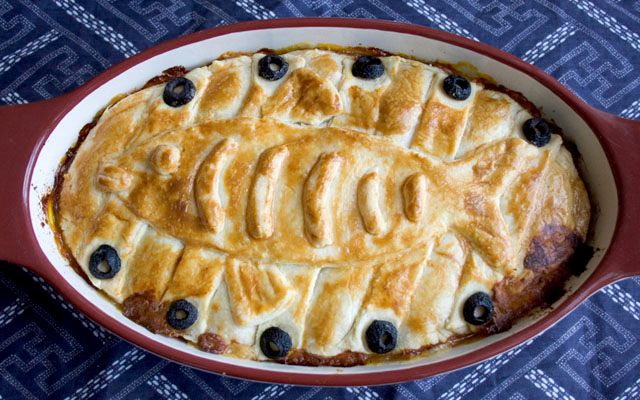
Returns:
(321, 208)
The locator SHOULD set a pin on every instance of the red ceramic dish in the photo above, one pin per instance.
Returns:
(34, 137)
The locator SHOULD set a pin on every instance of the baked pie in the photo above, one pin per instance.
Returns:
(323, 207)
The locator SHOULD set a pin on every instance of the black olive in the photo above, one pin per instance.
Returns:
(478, 309)
(381, 336)
(104, 262)
(367, 67)
(181, 314)
(272, 67)
(178, 92)
(536, 131)
(275, 343)
(457, 87)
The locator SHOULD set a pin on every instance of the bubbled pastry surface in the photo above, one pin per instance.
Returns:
(318, 202)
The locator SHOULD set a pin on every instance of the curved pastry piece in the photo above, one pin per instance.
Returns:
(151, 267)
(292, 320)
(305, 97)
(334, 306)
(389, 294)
(196, 279)
(316, 199)
(165, 158)
(262, 192)
(433, 297)
(476, 276)
(221, 322)
(113, 178)
(257, 293)
(120, 229)
(443, 121)
(414, 195)
(207, 182)
(369, 203)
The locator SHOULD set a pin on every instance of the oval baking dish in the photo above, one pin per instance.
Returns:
(36, 137)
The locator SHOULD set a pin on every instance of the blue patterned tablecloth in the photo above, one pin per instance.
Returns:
(50, 47)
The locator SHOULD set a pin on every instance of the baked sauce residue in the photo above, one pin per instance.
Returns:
(166, 76)
(553, 256)
(212, 343)
(145, 310)
(345, 359)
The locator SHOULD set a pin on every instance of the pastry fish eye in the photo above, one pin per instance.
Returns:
(113, 178)
(165, 159)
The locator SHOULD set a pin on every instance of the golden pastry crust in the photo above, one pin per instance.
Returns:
(317, 203)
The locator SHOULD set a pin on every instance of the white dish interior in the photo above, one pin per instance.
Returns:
(595, 169)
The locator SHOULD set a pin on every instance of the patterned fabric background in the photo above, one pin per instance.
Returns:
(50, 47)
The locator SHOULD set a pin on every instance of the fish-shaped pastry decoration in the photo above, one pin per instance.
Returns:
(313, 204)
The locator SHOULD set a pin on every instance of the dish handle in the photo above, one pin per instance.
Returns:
(23, 130)
(621, 141)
